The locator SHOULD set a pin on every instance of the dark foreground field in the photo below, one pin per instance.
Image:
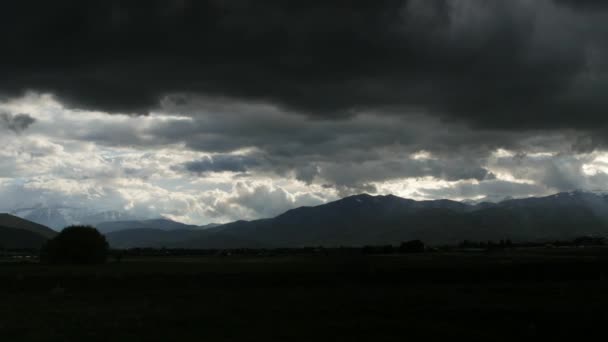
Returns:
(475, 296)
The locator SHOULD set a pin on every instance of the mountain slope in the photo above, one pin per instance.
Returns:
(179, 238)
(106, 216)
(17, 233)
(356, 220)
(15, 238)
(10, 221)
(560, 216)
(365, 219)
(159, 224)
(148, 237)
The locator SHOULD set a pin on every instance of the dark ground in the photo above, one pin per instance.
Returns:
(541, 293)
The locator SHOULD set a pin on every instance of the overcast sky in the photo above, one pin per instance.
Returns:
(212, 111)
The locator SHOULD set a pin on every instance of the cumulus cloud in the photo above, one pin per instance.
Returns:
(254, 200)
(207, 145)
(556, 171)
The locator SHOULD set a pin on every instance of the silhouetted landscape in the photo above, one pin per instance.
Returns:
(381, 220)
(303, 170)
(365, 267)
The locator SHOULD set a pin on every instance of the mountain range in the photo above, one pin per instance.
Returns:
(157, 224)
(369, 220)
(365, 219)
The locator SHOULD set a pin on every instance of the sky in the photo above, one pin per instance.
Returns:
(214, 111)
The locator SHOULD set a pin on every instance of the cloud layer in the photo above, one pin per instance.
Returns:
(217, 161)
(212, 110)
(515, 64)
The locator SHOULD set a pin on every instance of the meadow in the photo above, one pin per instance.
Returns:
(502, 295)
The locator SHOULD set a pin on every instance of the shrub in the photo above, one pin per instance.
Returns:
(76, 245)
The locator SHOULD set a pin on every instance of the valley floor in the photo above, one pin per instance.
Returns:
(477, 296)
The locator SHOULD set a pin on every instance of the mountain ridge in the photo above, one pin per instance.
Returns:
(18, 233)
(383, 219)
(158, 223)
(388, 219)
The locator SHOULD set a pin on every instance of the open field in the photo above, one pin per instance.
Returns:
(498, 296)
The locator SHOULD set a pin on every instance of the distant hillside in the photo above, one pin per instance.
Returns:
(356, 220)
(210, 225)
(158, 224)
(18, 233)
(14, 238)
(10, 221)
(106, 216)
(364, 219)
(148, 237)
(180, 238)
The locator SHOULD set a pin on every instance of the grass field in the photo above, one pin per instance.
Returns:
(498, 296)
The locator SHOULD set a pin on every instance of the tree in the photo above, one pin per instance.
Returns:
(76, 245)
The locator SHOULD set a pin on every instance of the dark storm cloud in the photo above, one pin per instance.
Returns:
(344, 154)
(221, 163)
(584, 4)
(497, 64)
(16, 123)
(259, 140)
(222, 126)
(382, 170)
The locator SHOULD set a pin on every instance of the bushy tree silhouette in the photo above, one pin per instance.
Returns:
(76, 245)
